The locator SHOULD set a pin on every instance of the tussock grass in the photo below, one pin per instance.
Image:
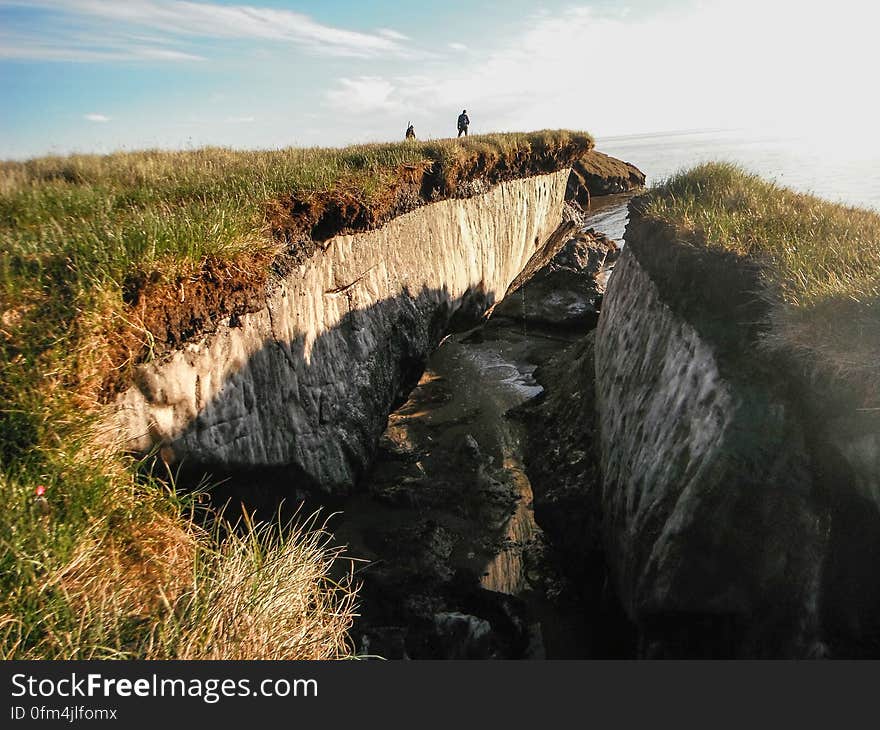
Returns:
(820, 260)
(267, 593)
(121, 567)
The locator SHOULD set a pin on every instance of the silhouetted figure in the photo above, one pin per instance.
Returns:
(410, 131)
(463, 122)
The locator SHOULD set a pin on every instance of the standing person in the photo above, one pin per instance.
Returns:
(410, 131)
(463, 122)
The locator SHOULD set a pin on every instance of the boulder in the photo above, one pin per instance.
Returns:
(598, 174)
(562, 285)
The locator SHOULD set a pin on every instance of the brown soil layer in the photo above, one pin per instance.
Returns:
(163, 315)
(300, 223)
(595, 174)
(167, 314)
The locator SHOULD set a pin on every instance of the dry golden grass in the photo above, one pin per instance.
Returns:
(132, 572)
(263, 598)
(153, 585)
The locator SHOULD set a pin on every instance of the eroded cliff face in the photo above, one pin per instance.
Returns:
(595, 174)
(714, 527)
(306, 382)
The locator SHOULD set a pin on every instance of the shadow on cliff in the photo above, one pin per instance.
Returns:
(335, 400)
(829, 421)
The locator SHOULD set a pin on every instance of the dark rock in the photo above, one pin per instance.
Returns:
(574, 213)
(461, 636)
(562, 459)
(562, 284)
(443, 519)
(598, 174)
(563, 466)
(387, 642)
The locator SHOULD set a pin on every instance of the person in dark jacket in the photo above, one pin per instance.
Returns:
(463, 122)
(410, 131)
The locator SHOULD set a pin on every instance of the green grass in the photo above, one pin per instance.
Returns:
(820, 260)
(118, 567)
(110, 214)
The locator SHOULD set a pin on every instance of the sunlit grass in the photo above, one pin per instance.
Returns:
(814, 249)
(110, 214)
(820, 260)
(119, 568)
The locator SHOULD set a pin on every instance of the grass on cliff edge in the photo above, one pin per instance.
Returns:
(110, 214)
(821, 260)
(82, 238)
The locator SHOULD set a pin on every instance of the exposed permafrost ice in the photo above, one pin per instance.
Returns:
(308, 380)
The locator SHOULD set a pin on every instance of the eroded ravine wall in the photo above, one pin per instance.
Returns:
(307, 381)
(714, 532)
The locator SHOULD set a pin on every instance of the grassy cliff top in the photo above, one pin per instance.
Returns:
(117, 212)
(814, 249)
(820, 261)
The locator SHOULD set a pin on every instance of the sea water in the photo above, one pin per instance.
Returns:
(842, 169)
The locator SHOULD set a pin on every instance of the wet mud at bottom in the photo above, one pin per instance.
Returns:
(457, 566)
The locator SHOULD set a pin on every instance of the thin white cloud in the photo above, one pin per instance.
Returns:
(185, 19)
(96, 118)
(364, 94)
(240, 120)
(164, 54)
(36, 52)
(675, 68)
(84, 48)
(393, 34)
(458, 46)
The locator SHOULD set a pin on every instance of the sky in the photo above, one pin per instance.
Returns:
(101, 75)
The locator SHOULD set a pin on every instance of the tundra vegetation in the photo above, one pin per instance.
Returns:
(100, 556)
(819, 263)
